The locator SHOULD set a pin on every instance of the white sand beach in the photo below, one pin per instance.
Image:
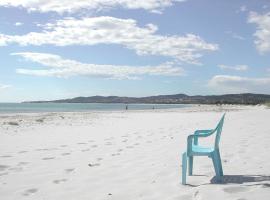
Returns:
(132, 155)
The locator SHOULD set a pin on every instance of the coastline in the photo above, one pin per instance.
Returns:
(189, 108)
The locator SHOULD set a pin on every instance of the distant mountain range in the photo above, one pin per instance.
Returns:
(246, 98)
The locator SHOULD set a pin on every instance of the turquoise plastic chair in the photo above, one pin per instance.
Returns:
(194, 149)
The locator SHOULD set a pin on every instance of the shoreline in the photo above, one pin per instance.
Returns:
(191, 108)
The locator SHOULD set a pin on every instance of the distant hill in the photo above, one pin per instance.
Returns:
(246, 98)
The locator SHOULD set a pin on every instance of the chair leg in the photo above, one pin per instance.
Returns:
(214, 159)
(219, 163)
(217, 167)
(190, 165)
(184, 167)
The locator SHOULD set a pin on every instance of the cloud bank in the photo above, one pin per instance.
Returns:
(73, 6)
(110, 30)
(234, 67)
(59, 67)
(226, 83)
(2, 86)
(262, 33)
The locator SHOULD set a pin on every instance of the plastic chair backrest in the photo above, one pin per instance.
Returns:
(218, 129)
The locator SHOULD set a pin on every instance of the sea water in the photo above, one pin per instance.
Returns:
(80, 107)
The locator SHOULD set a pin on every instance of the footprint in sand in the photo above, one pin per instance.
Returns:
(48, 158)
(4, 167)
(81, 143)
(129, 147)
(65, 154)
(20, 152)
(63, 145)
(16, 169)
(93, 164)
(52, 149)
(94, 146)
(6, 156)
(22, 163)
(99, 159)
(91, 141)
(69, 170)
(108, 139)
(3, 174)
(60, 181)
(196, 195)
(115, 154)
(41, 120)
(84, 150)
(30, 191)
(235, 189)
(45, 149)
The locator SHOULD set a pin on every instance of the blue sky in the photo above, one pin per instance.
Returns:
(61, 49)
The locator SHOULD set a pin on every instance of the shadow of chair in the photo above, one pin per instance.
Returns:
(241, 179)
(248, 180)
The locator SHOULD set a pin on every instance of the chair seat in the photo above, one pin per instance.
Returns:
(200, 150)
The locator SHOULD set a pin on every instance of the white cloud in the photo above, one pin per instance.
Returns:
(235, 35)
(110, 30)
(234, 67)
(239, 37)
(18, 24)
(262, 33)
(59, 67)
(72, 6)
(226, 83)
(243, 8)
(2, 86)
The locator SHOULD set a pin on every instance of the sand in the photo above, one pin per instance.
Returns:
(132, 155)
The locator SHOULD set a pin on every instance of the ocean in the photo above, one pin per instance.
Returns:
(80, 107)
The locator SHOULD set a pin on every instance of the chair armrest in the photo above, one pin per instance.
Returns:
(190, 140)
(202, 133)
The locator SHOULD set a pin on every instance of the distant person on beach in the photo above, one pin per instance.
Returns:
(126, 107)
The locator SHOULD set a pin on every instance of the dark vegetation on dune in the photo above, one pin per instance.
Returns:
(247, 99)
